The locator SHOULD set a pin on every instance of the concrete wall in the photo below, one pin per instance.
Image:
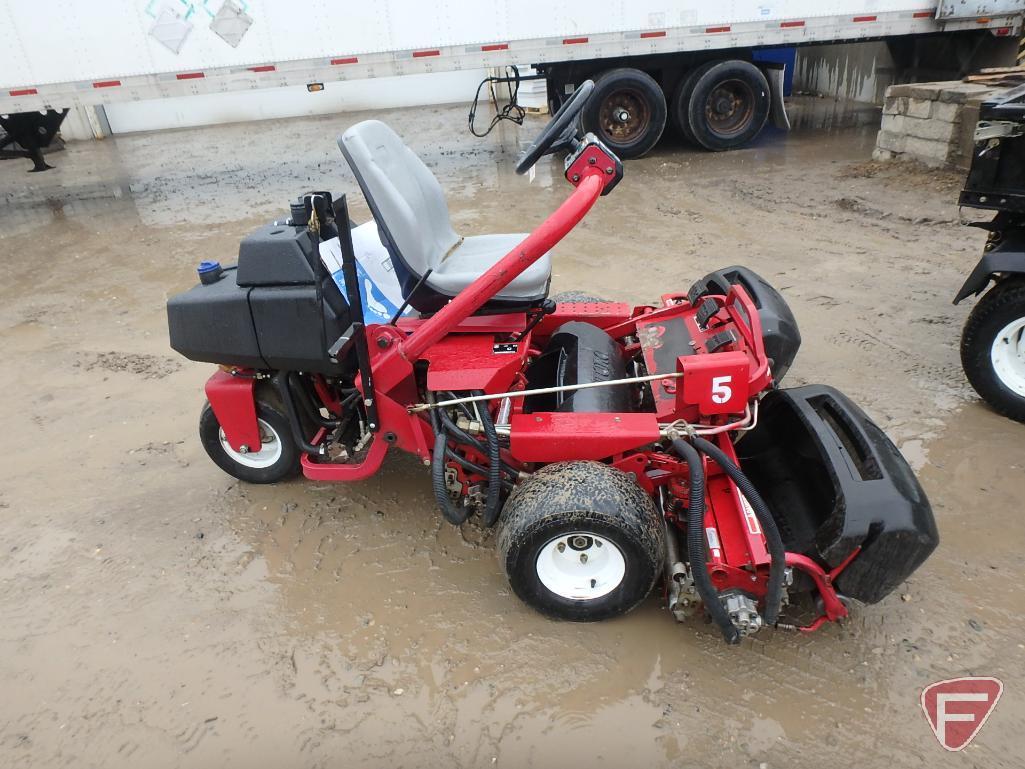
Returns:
(863, 71)
(853, 71)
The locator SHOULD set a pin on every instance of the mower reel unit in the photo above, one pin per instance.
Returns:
(614, 446)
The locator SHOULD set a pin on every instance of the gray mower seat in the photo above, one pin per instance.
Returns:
(411, 214)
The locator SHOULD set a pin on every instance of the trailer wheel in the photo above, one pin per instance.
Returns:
(277, 459)
(627, 111)
(581, 541)
(679, 109)
(993, 348)
(728, 105)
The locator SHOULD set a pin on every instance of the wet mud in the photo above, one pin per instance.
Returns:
(157, 613)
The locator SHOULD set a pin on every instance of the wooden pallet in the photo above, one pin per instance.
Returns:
(998, 76)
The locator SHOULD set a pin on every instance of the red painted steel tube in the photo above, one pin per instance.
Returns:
(536, 245)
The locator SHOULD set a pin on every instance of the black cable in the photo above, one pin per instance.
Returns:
(697, 548)
(455, 516)
(493, 506)
(777, 554)
(512, 111)
(473, 467)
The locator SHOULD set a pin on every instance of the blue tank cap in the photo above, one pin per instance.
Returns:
(208, 267)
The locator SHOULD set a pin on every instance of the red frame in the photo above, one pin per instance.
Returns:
(456, 346)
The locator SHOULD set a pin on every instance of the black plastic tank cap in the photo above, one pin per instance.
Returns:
(209, 272)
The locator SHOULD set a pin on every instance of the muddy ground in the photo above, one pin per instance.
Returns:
(153, 612)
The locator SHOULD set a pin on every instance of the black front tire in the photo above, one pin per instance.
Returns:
(728, 104)
(1004, 390)
(631, 93)
(282, 462)
(599, 503)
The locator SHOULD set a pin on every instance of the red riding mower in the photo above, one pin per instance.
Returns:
(611, 444)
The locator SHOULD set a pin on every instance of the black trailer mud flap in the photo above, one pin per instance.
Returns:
(836, 483)
(775, 74)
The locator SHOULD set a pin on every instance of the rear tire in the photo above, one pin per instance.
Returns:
(581, 541)
(993, 348)
(277, 459)
(627, 111)
(728, 104)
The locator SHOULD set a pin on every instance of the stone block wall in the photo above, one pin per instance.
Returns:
(932, 123)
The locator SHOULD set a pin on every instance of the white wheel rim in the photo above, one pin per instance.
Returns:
(269, 453)
(581, 565)
(1008, 356)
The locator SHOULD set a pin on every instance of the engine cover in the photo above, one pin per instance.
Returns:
(579, 353)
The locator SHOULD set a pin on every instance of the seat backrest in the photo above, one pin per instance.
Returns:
(404, 196)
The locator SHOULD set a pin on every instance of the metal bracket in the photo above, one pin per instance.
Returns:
(997, 129)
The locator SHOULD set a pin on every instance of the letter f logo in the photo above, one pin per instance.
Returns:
(958, 707)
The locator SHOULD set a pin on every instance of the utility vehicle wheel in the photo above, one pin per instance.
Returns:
(728, 105)
(277, 459)
(578, 296)
(993, 348)
(627, 111)
(581, 541)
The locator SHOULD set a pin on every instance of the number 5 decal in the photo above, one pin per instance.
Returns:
(721, 390)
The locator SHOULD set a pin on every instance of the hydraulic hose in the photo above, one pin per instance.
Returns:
(493, 505)
(697, 549)
(453, 514)
(777, 566)
(461, 436)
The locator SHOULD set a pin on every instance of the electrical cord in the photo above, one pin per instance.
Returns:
(512, 111)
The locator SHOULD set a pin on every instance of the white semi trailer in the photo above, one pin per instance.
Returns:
(655, 62)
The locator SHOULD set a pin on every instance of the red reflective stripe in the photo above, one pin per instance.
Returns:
(714, 30)
(189, 75)
(495, 47)
(421, 54)
(346, 60)
(787, 24)
(858, 19)
(923, 14)
(24, 92)
(264, 68)
(106, 83)
(660, 33)
(573, 40)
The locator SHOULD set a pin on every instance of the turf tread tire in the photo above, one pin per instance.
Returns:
(581, 496)
(1002, 304)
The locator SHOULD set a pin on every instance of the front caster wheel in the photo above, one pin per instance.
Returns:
(277, 459)
(993, 348)
(581, 541)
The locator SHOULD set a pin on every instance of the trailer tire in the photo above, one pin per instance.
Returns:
(277, 459)
(728, 105)
(678, 111)
(581, 541)
(992, 336)
(627, 111)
